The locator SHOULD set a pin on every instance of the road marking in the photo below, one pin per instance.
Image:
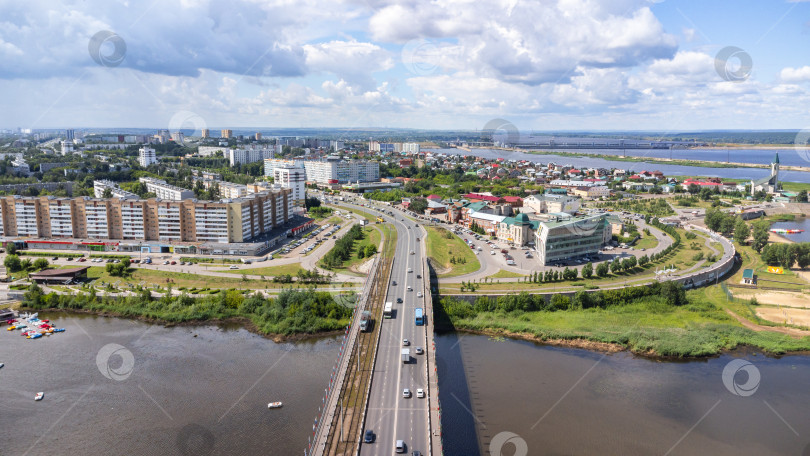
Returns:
(402, 329)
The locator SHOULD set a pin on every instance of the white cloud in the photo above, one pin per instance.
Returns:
(795, 75)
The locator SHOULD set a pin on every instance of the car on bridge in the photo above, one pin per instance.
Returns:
(406, 393)
(369, 437)
(406, 342)
(399, 300)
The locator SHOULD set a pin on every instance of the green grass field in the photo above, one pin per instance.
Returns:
(646, 242)
(269, 271)
(441, 250)
(504, 274)
(648, 326)
(177, 279)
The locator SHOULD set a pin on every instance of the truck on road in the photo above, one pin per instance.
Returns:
(365, 321)
(406, 355)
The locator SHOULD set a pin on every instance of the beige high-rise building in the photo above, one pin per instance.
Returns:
(205, 133)
(189, 220)
(226, 134)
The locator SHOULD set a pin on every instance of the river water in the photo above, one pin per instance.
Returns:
(759, 156)
(559, 401)
(176, 394)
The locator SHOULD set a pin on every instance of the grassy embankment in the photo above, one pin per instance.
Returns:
(178, 280)
(268, 271)
(292, 312)
(646, 326)
(448, 252)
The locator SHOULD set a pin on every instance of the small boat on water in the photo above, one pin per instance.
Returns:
(1, 365)
(274, 405)
(59, 330)
(39, 396)
(35, 336)
(785, 231)
(21, 326)
(11, 328)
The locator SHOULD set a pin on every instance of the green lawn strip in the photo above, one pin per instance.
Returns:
(504, 274)
(177, 279)
(268, 271)
(646, 242)
(441, 250)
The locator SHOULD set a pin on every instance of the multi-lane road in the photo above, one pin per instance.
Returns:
(391, 416)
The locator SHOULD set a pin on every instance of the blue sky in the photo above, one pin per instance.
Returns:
(444, 64)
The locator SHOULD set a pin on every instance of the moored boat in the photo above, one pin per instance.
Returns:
(273, 405)
(59, 330)
(39, 396)
(35, 336)
(11, 328)
(1, 365)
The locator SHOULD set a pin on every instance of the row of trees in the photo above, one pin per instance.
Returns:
(291, 312)
(786, 255)
(342, 250)
(671, 292)
(13, 263)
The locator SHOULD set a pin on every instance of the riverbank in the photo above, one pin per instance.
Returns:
(667, 161)
(292, 315)
(645, 326)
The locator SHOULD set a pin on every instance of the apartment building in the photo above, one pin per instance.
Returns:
(249, 155)
(547, 203)
(295, 179)
(100, 186)
(336, 171)
(271, 164)
(230, 190)
(165, 191)
(188, 220)
(146, 156)
(226, 134)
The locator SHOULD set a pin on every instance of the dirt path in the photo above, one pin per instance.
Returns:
(750, 325)
(781, 298)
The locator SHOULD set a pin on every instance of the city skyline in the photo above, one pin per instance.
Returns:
(567, 65)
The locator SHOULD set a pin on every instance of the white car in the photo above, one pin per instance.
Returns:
(418, 350)
(419, 294)
(406, 393)
(420, 393)
(406, 342)
(233, 266)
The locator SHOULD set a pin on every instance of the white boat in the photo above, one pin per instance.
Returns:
(39, 396)
(1, 365)
(273, 405)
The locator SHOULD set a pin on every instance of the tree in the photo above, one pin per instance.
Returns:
(761, 236)
(602, 269)
(26, 264)
(12, 263)
(11, 248)
(674, 293)
(615, 266)
(418, 205)
(741, 231)
(802, 196)
(41, 263)
(587, 270)
(560, 302)
(107, 193)
(643, 260)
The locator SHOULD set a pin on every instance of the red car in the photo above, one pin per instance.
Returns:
(174, 262)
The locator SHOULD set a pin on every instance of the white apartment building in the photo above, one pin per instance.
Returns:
(60, 212)
(294, 179)
(250, 154)
(99, 186)
(411, 148)
(146, 156)
(211, 223)
(342, 171)
(169, 222)
(26, 213)
(96, 221)
(132, 216)
(229, 190)
(165, 191)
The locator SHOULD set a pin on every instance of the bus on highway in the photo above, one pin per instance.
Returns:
(388, 309)
(419, 319)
